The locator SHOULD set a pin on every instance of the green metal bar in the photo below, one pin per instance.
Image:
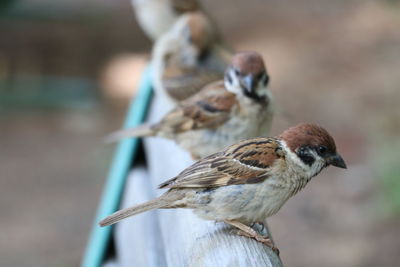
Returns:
(125, 153)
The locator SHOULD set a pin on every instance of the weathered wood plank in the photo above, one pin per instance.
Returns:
(137, 239)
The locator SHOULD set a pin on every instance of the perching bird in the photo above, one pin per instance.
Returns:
(248, 181)
(188, 57)
(156, 16)
(224, 112)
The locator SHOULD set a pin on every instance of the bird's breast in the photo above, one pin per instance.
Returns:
(246, 202)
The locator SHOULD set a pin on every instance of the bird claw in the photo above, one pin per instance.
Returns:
(262, 239)
(275, 250)
(258, 223)
(267, 241)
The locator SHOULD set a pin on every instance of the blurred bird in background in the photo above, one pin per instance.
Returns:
(157, 16)
(224, 112)
(188, 57)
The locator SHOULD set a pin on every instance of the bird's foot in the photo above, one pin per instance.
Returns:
(260, 238)
(256, 224)
(247, 231)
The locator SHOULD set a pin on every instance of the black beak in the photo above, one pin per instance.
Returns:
(250, 83)
(337, 161)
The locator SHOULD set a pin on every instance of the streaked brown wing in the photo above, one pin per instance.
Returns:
(207, 109)
(243, 163)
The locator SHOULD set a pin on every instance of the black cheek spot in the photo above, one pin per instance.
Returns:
(307, 159)
(266, 80)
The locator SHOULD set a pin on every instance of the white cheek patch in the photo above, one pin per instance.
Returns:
(233, 85)
(309, 171)
(317, 165)
(293, 157)
(263, 91)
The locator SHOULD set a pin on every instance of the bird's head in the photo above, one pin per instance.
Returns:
(196, 34)
(313, 146)
(248, 76)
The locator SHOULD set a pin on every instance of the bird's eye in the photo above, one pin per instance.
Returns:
(237, 72)
(322, 150)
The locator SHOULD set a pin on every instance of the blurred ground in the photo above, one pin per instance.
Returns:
(333, 62)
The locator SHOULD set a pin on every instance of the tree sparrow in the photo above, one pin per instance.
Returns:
(221, 114)
(157, 16)
(188, 57)
(248, 181)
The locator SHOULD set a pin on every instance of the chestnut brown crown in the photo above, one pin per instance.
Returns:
(304, 137)
(248, 62)
(308, 134)
(199, 30)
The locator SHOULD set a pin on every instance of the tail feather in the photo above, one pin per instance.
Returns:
(125, 213)
(142, 130)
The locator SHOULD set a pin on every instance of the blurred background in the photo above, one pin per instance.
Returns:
(68, 70)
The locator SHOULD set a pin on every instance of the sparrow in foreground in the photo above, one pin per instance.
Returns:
(236, 108)
(248, 181)
(157, 16)
(188, 57)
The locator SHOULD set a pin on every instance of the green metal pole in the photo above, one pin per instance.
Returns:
(115, 183)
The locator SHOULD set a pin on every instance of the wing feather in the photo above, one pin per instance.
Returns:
(246, 162)
(208, 109)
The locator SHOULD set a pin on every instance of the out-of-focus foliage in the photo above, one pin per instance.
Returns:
(5, 4)
(389, 172)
